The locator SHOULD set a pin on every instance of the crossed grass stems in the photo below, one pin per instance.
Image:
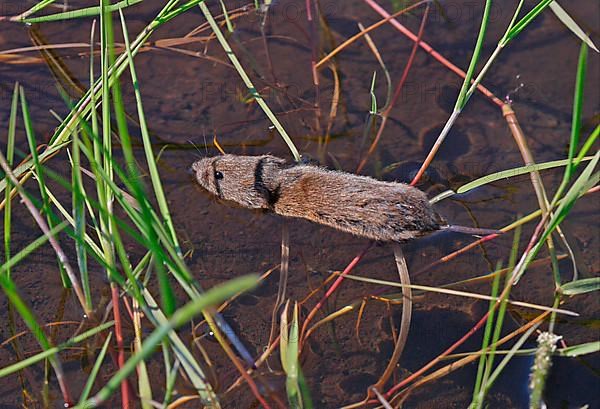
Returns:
(96, 231)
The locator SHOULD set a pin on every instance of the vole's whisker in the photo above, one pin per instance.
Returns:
(200, 156)
(205, 143)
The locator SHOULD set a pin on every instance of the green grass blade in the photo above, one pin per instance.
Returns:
(501, 310)
(226, 15)
(577, 108)
(498, 370)
(78, 199)
(150, 159)
(180, 317)
(292, 365)
(51, 351)
(166, 291)
(582, 286)
(564, 17)
(188, 362)
(10, 154)
(461, 101)
(259, 99)
(39, 6)
(487, 333)
(526, 20)
(39, 172)
(89, 384)
(373, 110)
(171, 377)
(581, 349)
(180, 270)
(81, 13)
(504, 174)
(304, 390)
(106, 116)
(284, 338)
(133, 288)
(10, 289)
(587, 145)
(144, 384)
(12, 293)
(17, 258)
(577, 189)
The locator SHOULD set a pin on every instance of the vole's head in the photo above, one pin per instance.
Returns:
(250, 181)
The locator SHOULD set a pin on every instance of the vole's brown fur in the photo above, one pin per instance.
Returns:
(361, 205)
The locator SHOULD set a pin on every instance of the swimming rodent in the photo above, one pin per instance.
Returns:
(361, 205)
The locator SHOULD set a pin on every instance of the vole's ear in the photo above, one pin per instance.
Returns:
(306, 159)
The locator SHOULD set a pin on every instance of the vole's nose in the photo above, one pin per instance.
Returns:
(190, 170)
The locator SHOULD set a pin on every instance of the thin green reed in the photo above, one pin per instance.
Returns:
(89, 383)
(150, 159)
(166, 291)
(236, 63)
(70, 343)
(79, 216)
(577, 109)
(39, 173)
(462, 96)
(486, 340)
(12, 293)
(106, 147)
(10, 154)
(502, 309)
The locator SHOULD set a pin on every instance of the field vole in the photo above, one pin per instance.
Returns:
(384, 211)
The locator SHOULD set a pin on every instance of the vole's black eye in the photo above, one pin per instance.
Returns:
(218, 175)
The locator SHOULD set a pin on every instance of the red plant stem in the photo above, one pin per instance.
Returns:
(333, 287)
(120, 348)
(64, 388)
(385, 114)
(457, 253)
(428, 49)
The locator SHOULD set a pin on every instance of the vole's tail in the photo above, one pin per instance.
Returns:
(474, 231)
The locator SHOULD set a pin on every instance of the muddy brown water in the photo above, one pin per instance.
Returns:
(188, 98)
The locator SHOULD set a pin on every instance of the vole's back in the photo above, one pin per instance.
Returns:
(356, 204)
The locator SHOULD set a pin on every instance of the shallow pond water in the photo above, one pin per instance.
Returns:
(191, 93)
